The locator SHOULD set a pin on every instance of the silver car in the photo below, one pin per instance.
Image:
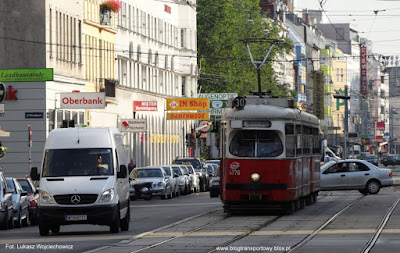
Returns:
(173, 178)
(20, 203)
(353, 174)
(6, 204)
(193, 179)
(152, 180)
(182, 179)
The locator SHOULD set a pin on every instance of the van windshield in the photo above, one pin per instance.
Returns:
(78, 162)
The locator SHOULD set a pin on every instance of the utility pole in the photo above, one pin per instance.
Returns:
(346, 97)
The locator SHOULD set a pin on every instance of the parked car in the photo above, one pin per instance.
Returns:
(217, 162)
(32, 196)
(194, 179)
(210, 170)
(353, 174)
(363, 155)
(173, 178)
(6, 204)
(214, 185)
(20, 203)
(188, 182)
(132, 191)
(372, 159)
(182, 179)
(389, 159)
(198, 167)
(150, 181)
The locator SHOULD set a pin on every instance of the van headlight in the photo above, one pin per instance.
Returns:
(107, 196)
(46, 198)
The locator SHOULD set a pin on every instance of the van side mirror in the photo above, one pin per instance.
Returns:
(34, 174)
(123, 172)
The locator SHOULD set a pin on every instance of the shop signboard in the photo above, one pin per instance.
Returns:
(144, 106)
(187, 104)
(133, 125)
(188, 116)
(26, 75)
(83, 100)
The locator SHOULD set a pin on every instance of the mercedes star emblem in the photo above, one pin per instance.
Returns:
(75, 199)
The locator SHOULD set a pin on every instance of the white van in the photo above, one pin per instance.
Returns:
(83, 180)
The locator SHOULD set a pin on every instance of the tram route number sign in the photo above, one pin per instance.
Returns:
(239, 102)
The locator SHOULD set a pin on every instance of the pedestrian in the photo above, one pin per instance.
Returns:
(131, 165)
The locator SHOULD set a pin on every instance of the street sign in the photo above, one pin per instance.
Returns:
(133, 125)
(205, 126)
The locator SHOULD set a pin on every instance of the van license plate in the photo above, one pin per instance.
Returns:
(75, 217)
(255, 197)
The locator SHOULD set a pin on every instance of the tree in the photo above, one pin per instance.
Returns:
(223, 60)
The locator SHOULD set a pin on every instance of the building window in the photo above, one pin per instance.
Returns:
(340, 34)
(183, 38)
(183, 86)
(337, 74)
(341, 75)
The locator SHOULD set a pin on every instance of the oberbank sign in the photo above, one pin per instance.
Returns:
(83, 100)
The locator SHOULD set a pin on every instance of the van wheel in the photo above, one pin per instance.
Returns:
(43, 229)
(55, 228)
(114, 227)
(125, 221)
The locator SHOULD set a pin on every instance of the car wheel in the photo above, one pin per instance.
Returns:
(26, 220)
(114, 227)
(43, 229)
(125, 221)
(373, 187)
(55, 228)
(6, 219)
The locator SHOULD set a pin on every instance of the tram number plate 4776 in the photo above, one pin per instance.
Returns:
(255, 197)
(75, 217)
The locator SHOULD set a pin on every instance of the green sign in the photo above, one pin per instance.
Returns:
(26, 75)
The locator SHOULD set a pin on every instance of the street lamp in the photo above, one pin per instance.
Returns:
(346, 97)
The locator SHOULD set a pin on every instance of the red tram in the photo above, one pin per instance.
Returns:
(271, 155)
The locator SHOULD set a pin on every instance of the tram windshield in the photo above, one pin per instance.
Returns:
(256, 143)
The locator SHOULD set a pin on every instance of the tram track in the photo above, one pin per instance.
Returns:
(237, 238)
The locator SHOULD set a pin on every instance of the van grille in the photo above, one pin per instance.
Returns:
(83, 199)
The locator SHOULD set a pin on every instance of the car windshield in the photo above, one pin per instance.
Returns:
(371, 157)
(255, 143)
(147, 172)
(194, 162)
(77, 162)
(177, 171)
(25, 185)
(10, 183)
(167, 170)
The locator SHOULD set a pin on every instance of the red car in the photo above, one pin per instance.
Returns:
(33, 197)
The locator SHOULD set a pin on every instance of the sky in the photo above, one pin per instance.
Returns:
(376, 20)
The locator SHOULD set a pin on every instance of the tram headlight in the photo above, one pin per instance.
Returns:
(255, 177)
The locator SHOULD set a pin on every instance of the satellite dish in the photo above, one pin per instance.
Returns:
(397, 63)
(397, 57)
(391, 62)
(391, 58)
